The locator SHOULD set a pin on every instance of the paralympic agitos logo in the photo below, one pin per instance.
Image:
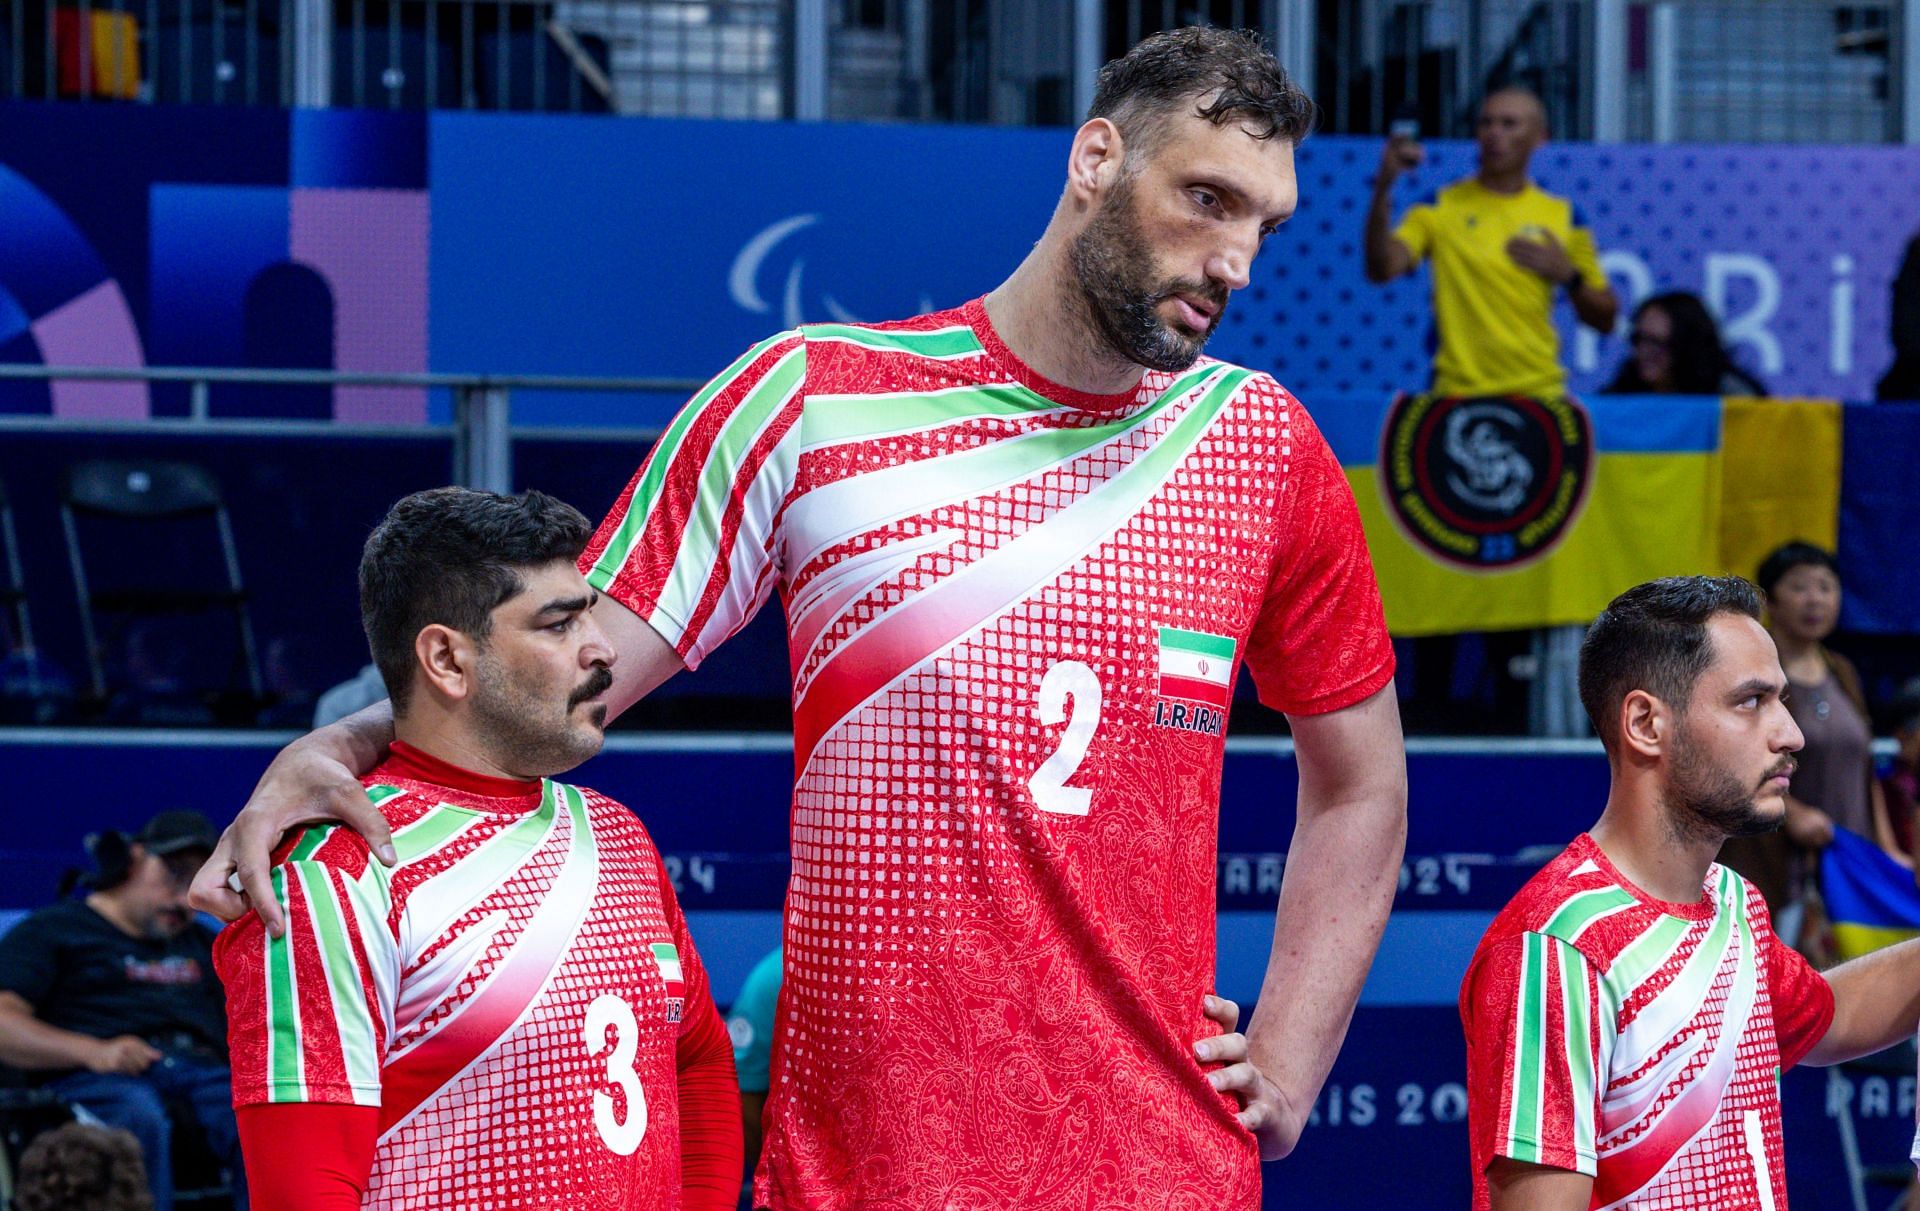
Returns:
(1488, 483)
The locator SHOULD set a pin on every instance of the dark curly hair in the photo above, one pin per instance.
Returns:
(81, 1167)
(1223, 75)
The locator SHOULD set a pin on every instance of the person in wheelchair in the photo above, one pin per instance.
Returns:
(110, 1002)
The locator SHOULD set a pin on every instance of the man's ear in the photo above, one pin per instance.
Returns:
(444, 661)
(1095, 159)
(1646, 725)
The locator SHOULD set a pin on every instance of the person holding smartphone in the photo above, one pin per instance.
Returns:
(1502, 250)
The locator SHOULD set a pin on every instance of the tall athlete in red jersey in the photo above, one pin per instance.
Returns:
(513, 1015)
(1025, 547)
(1629, 1013)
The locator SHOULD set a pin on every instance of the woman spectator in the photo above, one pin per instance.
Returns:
(1834, 784)
(1677, 351)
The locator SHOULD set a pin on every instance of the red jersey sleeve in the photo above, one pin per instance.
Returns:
(712, 1147)
(1802, 998)
(307, 1012)
(1320, 641)
(1532, 1010)
(326, 1171)
(690, 545)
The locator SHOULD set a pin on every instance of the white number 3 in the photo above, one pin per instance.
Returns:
(621, 1135)
(1068, 679)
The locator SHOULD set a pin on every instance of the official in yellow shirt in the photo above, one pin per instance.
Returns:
(1501, 248)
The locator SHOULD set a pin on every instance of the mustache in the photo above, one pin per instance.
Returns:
(597, 683)
(1784, 768)
(1206, 291)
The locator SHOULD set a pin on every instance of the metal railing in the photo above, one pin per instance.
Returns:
(481, 425)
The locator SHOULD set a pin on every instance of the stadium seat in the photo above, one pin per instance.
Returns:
(154, 500)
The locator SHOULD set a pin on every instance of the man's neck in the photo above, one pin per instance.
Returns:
(1041, 315)
(108, 906)
(1635, 835)
(453, 746)
(1511, 181)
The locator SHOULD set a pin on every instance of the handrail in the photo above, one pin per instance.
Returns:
(342, 378)
(482, 424)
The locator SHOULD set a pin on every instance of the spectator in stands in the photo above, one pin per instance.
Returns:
(81, 1167)
(1903, 377)
(1834, 784)
(1502, 248)
(1900, 787)
(750, 1025)
(111, 1002)
(1676, 350)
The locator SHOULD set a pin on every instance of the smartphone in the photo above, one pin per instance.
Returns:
(1405, 123)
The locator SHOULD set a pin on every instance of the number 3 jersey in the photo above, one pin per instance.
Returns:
(512, 995)
(1015, 614)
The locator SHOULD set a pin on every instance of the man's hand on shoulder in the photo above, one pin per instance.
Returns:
(304, 784)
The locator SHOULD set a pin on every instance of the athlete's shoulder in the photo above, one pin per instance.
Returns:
(614, 820)
(334, 844)
(1562, 899)
(938, 335)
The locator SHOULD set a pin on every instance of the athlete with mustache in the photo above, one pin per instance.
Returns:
(1629, 1012)
(512, 1015)
(1025, 547)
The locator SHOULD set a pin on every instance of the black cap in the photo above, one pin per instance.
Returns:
(171, 832)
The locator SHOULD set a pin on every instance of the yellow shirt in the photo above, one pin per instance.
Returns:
(1494, 319)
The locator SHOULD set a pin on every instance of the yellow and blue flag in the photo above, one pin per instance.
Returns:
(1871, 899)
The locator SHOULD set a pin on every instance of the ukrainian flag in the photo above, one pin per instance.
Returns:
(1871, 899)
(1623, 489)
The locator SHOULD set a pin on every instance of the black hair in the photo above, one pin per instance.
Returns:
(1785, 558)
(1701, 363)
(452, 556)
(1653, 637)
(1224, 75)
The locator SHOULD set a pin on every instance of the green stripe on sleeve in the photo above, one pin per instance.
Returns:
(351, 1021)
(1523, 1125)
(942, 342)
(640, 505)
(284, 1058)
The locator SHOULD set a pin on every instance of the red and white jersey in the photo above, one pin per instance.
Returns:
(1015, 612)
(510, 995)
(1637, 1041)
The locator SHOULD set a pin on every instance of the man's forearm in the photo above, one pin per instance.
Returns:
(1379, 234)
(1876, 1003)
(27, 1042)
(358, 741)
(1596, 306)
(1343, 868)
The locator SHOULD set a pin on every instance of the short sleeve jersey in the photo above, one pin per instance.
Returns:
(1015, 612)
(1494, 319)
(510, 996)
(1636, 1041)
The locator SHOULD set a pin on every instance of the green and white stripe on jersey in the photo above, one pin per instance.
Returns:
(936, 344)
(1546, 1041)
(753, 411)
(332, 898)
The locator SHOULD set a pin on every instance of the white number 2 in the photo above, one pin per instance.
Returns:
(621, 1135)
(1067, 679)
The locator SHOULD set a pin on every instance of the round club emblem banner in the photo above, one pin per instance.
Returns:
(1491, 483)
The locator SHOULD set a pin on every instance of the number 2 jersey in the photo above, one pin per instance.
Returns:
(1015, 613)
(1636, 1041)
(518, 997)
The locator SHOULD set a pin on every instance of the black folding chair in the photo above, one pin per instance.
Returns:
(153, 492)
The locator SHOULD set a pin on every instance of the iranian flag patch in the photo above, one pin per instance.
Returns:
(667, 958)
(1196, 667)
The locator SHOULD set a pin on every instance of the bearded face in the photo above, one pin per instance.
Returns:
(1113, 264)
